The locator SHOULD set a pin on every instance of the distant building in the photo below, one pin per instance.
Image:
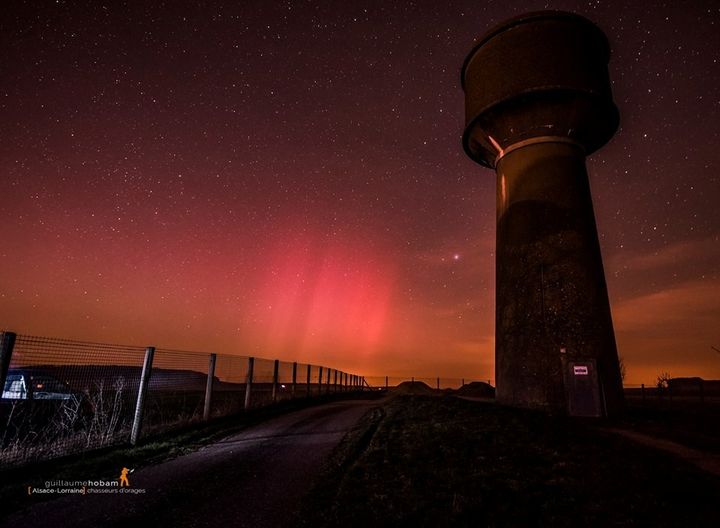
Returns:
(693, 386)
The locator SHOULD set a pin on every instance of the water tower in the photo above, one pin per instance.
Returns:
(537, 102)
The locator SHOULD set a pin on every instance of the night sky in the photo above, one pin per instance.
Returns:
(287, 180)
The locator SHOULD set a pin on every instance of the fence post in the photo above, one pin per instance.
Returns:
(209, 386)
(249, 381)
(142, 392)
(276, 366)
(320, 372)
(294, 382)
(702, 391)
(412, 383)
(307, 385)
(327, 384)
(463, 382)
(335, 382)
(292, 390)
(7, 343)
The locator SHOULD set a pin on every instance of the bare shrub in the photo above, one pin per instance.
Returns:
(107, 408)
(81, 421)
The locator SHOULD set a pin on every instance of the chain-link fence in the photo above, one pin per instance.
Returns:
(62, 397)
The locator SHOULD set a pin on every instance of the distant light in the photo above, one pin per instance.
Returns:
(282, 386)
(456, 256)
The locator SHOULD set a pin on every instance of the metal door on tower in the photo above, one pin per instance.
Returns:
(582, 388)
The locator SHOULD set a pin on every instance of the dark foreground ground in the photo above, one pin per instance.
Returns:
(443, 461)
(257, 477)
(408, 460)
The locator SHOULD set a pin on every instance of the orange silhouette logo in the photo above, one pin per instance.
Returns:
(123, 477)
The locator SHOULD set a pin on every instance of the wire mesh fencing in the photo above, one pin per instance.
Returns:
(673, 393)
(62, 397)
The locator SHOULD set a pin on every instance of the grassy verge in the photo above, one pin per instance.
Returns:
(442, 461)
(334, 469)
(106, 463)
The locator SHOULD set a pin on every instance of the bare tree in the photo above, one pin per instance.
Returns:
(663, 381)
(623, 369)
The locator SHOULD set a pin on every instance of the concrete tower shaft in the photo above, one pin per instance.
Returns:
(538, 99)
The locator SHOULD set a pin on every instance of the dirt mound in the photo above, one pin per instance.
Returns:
(413, 387)
(477, 389)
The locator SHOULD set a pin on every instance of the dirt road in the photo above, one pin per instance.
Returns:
(255, 478)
